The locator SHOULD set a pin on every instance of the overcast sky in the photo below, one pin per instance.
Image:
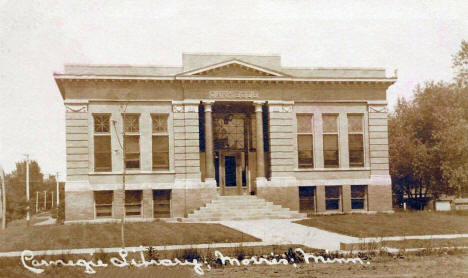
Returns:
(38, 37)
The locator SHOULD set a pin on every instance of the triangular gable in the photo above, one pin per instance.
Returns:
(233, 68)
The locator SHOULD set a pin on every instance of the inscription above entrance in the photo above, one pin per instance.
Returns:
(234, 94)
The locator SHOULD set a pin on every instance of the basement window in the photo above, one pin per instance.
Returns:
(133, 200)
(332, 197)
(162, 203)
(358, 197)
(103, 203)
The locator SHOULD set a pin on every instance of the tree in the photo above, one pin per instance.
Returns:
(16, 188)
(460, 65)
(428, 143)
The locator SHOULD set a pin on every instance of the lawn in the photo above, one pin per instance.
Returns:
(18, 238)
(396, 224)
(408, 243)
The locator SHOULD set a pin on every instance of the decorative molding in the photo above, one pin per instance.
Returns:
(76, 108)
(278, 107)
(177, 108)
(191, 108)
(378, 109)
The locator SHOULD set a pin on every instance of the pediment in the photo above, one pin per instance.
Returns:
(233, 68)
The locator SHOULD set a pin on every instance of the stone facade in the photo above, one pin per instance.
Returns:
(257, 100)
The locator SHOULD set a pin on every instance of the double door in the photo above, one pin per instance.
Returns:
(232, 173)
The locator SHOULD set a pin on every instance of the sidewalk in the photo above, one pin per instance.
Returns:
(284, 231)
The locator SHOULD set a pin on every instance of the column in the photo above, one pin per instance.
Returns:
(260, 149)
(209, 158)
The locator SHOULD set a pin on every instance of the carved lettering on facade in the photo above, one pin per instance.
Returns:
(234, 94)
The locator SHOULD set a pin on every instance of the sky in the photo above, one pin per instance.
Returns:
(38, 37)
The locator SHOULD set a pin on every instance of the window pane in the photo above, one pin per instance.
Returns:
(355, 123)
(332, 197)
(132, 196)
(160, 152)
(356, 150)
(101, 123)
(332, 192)
(131, 123)
(358, 191)
(159, 123)
(330, 123)
(332, 204)
(357, 204)
(305, 150)
(304, 123)
(162, 203)
(307, 198)
(103, 197)
(132, 144)
(102, 153)
(330, 150)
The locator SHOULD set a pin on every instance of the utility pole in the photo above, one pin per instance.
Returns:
(122, 147)
(52, 199)
(37, 201)
(27, 189)
(58, 189)
(45, 199)
(3, 199)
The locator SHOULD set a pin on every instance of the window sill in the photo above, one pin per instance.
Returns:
(132, 172)
(331, 169)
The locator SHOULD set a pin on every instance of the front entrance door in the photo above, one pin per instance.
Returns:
(230, 170)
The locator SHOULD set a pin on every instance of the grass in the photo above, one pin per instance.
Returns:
(19, 237)
(396, 224)
(407, 244)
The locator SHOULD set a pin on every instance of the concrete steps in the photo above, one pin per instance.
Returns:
(244, 207)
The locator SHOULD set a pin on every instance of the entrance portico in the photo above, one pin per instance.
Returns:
(234, 145)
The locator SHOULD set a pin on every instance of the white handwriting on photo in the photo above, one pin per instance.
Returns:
(39, 266)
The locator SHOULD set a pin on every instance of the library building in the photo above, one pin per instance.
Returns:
(224, 137)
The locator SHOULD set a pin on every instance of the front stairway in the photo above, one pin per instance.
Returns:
(245, 207)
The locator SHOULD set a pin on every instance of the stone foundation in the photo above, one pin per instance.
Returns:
(79, 205)
(286, 196)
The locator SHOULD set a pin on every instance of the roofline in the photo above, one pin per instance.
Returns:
(333, 68)
(231, 54)
(210, 78)
(231, 61)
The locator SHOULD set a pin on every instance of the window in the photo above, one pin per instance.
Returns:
(305, 139)
(132, 141)
(161, 203)
(307, 199)
(358, 196)
(160, 142)
(133, 202)
(332, 197)
(102, 143)
(330, 141)
(356, 140)
(103, 203)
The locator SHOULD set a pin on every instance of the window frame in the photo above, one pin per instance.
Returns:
(127, 134)
(155, 134)
(103, 205)
(339, 199)
(364, 199)
(335, 133)
(314, 199)
(140, 204)
(363, 139)
(102, 134)
(311, 133)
